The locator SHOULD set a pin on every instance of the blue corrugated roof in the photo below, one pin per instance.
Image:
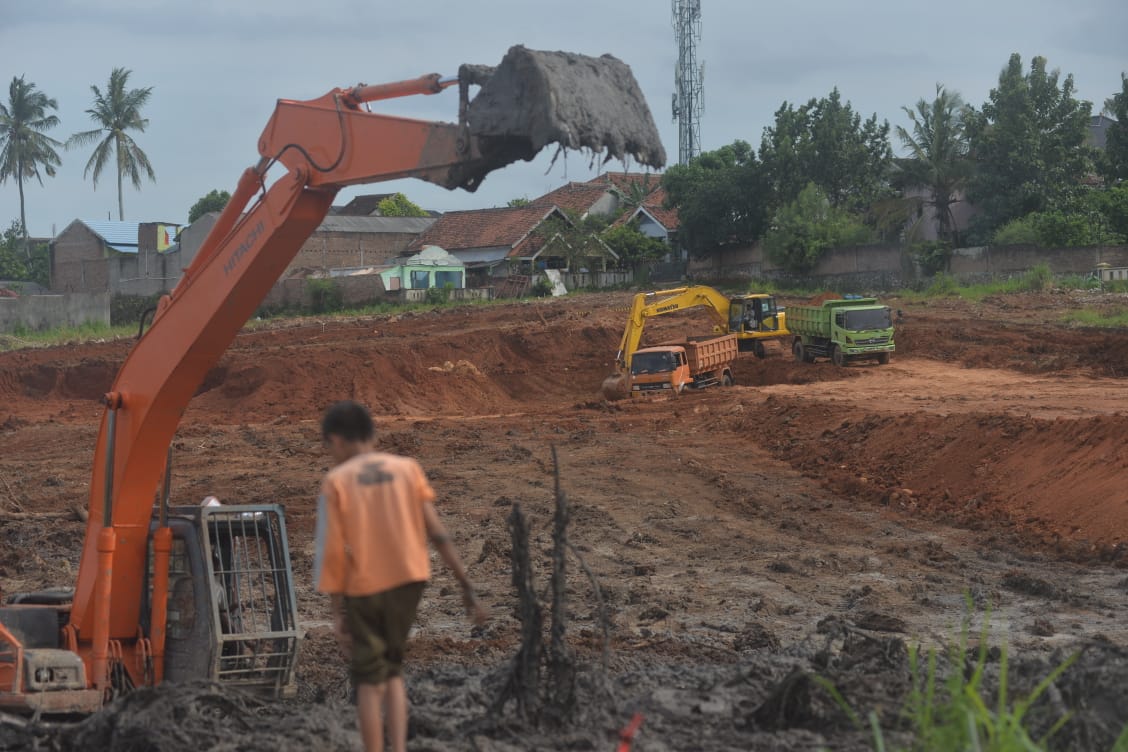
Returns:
(121, 236)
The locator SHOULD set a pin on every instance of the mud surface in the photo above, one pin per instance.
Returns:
(811, 520)
(536, 98)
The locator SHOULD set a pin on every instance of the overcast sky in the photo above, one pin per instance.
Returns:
(216, 67)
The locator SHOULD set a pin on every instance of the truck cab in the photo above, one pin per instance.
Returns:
(695, 363)
(659, 369)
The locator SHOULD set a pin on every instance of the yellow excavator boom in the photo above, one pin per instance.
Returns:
(647, 304)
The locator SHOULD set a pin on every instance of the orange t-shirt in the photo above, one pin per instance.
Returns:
(371, 535)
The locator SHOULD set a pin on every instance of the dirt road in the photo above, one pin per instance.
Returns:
(810, 516)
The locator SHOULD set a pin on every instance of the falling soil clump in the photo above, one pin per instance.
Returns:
(535, 98)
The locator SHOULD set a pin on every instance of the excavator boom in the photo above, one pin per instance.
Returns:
(648, 304)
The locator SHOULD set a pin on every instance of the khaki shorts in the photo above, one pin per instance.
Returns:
(379, 624)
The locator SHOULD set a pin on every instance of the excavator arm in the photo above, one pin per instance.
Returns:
(648, 304)
(324, 144)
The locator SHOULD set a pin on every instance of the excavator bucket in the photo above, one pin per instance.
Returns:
(616, 387)
(534, 98)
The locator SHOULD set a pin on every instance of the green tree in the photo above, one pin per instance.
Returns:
(722, 198)
(1116, 145)
(1092, 216)
(18, 264)
(515, 203)
(24, 146)
(117, 112)
(937, 160)
(808, 227)
(400, 206)
(826, 143)
(214, 201)
(632, 246)
(1115, 211)
(1028, 144)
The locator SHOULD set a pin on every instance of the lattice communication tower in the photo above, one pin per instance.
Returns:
(689, 79)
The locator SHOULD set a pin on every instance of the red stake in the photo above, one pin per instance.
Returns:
(627, 734)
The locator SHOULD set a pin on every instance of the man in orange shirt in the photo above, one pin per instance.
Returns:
(374, 518)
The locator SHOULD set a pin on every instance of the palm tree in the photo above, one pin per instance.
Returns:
(23, 144)
(938, 156)
(116, 112)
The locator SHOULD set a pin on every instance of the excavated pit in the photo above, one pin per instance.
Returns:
(725, 527)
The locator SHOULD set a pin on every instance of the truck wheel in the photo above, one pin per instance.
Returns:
(883, 359)
(837, 357)
(797, 351)
(758, 349)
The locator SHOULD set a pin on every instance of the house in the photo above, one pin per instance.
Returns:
(129, 258)
(581, 199)
(367, 205)
(431, 267)
(349, 242)
(623, 196)
(495, 242)
(1106, 272)
(653, 218)
(1097, 136)
(925, 224)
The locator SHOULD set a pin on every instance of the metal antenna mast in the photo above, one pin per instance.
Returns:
(689, 79)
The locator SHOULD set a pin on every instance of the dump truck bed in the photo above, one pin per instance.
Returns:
(815, 320)
(710, 353)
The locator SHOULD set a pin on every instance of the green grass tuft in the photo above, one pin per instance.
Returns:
(1117, 318)
(954, 711)
(21, 337)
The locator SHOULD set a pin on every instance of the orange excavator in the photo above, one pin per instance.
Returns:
(178, 592)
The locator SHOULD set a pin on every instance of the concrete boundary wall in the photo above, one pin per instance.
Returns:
(41, 312)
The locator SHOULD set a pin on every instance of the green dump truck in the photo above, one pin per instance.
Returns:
(842, 330)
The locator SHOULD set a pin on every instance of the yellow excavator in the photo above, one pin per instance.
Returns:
(754, 318)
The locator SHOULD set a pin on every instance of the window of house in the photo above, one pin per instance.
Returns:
(454, 279)
(420, 280)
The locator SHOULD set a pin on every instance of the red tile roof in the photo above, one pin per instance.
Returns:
(655, 204)
(624, 180)
(487, 228)
(574, 197)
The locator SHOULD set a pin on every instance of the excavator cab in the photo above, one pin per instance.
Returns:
(232, 612)
(754, 318)
(754, 313)
(231, 617)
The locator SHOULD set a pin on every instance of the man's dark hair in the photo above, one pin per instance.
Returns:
(349, 420)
